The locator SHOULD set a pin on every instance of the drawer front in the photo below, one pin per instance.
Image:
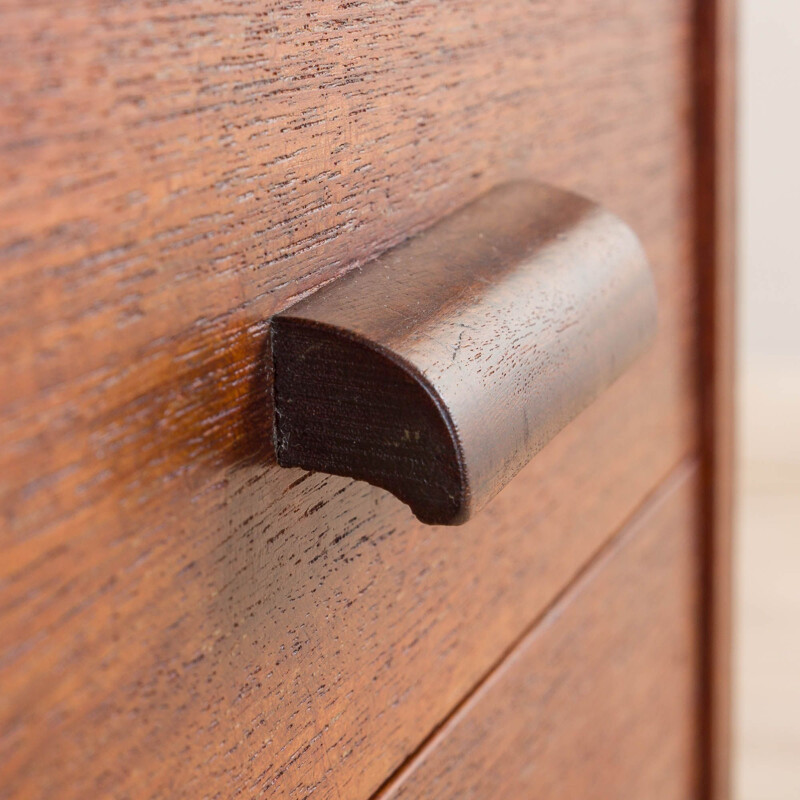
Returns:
(180, 617)
(600, 700)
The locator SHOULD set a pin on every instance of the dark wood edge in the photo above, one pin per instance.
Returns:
(715, 216)
(306, 354)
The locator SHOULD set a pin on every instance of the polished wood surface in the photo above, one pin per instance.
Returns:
(439, 369)
(600, 699)
(179, 616)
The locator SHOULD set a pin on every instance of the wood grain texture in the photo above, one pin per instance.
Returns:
(439, 369)
(599, 701)
(179, 617)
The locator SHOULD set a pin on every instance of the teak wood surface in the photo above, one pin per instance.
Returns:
(600, 699)
(179, 616)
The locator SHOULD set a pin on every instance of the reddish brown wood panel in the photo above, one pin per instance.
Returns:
(600, 700)
(178, 616)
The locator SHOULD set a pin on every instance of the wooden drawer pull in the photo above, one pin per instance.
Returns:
(439, 369)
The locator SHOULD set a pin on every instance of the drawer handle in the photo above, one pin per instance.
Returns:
(439, 369)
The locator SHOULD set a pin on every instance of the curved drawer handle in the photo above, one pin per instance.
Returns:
(439, 369)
